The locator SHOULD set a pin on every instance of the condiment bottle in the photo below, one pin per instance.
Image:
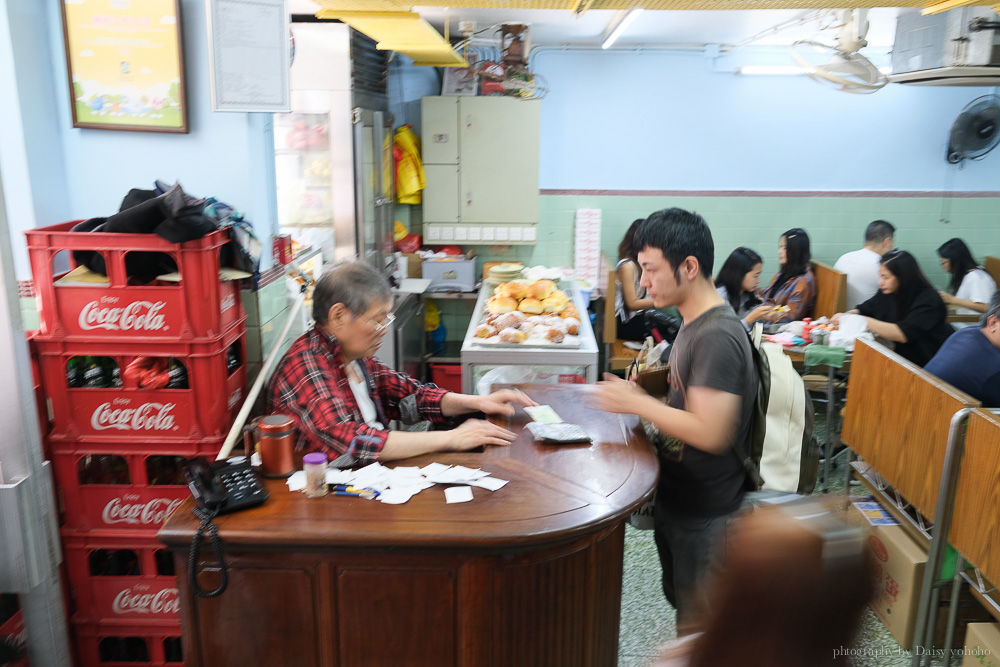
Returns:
(314, 465)
(807, 329)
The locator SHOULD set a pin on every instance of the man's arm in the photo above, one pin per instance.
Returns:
(709, 422)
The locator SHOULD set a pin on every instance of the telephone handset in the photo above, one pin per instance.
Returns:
(224, 486)
(218, 487)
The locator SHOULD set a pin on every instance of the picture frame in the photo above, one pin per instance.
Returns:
(125, 64)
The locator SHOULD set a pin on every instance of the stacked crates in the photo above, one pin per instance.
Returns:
(137, 378)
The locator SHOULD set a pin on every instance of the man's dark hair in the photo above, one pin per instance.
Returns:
(993, 310)
(354, 284)
(678, 234)
(878, 231)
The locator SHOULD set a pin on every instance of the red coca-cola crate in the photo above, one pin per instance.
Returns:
(36, 381)
(101, 488)
(105, 643)
(13, 634)
(199, 306)
(205, 409)
(121, 579)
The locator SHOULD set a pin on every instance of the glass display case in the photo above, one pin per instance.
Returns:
(486, 364)
(304, 179)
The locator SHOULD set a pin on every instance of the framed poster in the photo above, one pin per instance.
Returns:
(249, 51)
(125, 63)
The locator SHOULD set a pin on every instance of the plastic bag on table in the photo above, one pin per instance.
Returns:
(518, 375)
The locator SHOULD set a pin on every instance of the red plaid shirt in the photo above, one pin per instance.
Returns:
(310, 384)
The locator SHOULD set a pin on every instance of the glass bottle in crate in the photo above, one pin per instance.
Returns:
(178, 375)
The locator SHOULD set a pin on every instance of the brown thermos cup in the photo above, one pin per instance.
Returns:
(276, 441)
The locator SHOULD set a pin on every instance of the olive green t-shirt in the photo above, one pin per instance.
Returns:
(712, 351)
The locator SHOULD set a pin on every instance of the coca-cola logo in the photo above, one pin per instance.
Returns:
(130, 601)
(234, 398)
(136, 316)
(153, 512)
(147, 417)
(228, 301)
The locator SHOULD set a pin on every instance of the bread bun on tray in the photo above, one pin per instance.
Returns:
(531, 306)
(540, 289)
(501, 304)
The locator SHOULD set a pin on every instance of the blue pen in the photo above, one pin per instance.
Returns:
(354, 491)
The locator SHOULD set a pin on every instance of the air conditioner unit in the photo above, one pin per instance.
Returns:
(946, 49)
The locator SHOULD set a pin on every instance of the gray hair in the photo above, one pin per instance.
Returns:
(993, 310)
(354, 284)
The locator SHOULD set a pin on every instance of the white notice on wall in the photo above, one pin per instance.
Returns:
(249, 55)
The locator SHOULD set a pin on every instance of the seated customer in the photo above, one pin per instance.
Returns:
(738, 282)
(970, 359)
(861, 266)
(794, 286)
(342, 398)
(635, 316)
(906, 310)
(971, 286)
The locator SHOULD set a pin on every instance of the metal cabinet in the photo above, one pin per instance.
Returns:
(480, 161)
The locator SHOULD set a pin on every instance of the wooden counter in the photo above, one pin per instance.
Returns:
(530, 574)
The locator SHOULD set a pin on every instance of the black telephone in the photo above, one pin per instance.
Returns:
(218, 487)
(224, 486)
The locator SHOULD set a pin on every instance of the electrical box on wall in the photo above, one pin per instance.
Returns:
(481, 169)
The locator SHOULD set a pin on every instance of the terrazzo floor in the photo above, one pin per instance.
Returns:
(648, 621)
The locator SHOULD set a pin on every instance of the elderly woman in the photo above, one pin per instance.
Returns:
(342, 398)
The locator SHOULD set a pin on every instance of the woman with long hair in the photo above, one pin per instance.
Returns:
(631, 304)
(971, 287)
(907, 310)
(794, 286)
(738, 282)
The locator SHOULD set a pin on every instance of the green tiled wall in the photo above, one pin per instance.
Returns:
(835, 224)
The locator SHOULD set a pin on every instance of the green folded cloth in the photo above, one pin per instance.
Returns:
(824, 355)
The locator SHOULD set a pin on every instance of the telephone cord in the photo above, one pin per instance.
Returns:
(207, 517)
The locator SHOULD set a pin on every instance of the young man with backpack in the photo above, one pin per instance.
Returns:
(708, 410)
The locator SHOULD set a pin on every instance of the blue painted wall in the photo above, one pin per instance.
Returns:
(667, 121)
(76, 173)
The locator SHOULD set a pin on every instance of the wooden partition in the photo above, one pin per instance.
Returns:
(617, 355)
(975, 523)
(992, 266)
(831, 290)
(897, 418)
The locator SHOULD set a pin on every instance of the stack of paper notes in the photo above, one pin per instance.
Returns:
(397, 485)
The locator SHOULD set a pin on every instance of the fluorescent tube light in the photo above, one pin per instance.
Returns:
(771, 70)
(617, 31)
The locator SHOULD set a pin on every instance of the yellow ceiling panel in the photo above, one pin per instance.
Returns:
(400, 31)
(390, 5)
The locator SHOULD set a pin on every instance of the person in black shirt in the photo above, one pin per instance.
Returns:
(906, 310)
(708, 409)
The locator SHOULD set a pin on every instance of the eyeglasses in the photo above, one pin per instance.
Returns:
(379, 327)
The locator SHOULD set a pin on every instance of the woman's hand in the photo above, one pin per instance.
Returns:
(476, 433)
(499, 402)
(835, 320)
(947, 298)
(758, 313)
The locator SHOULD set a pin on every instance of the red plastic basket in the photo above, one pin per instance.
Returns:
(12, 633)
(121, 579)
(200, 306)
(447, 376)
(101, 644)
(204, 410)
(101, 489)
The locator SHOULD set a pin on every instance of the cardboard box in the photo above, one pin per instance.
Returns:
(899, 573)
(414, 265)
(982, 645)
(450, 275)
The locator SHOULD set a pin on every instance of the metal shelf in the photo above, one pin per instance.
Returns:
(453, 296)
